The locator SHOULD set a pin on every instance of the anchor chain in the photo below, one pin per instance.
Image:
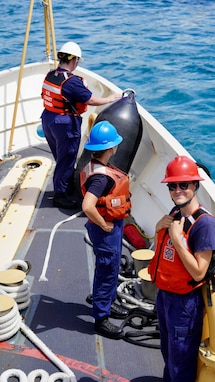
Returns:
(16, 189)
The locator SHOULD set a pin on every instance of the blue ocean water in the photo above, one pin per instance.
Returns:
(163, 49)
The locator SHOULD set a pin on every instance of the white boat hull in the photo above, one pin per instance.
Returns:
(150, 199)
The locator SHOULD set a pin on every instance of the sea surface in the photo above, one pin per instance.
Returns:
(163, 49)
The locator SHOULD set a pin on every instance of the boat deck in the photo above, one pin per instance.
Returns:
(58, 313)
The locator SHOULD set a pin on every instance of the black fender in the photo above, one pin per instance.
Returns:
(123, 114)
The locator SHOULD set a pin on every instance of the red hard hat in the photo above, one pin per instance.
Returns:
(181, 169)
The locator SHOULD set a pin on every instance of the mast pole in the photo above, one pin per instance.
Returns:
(52, 33)
(20, 76)
(46, 25)
(49, 29)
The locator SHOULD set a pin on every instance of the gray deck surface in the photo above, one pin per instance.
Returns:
(58, 313)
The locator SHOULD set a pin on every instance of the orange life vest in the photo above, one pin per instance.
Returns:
(53, 99)
(117, 204)
(166, 268)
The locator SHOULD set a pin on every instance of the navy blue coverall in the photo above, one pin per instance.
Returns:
(181, 315)
(107, 248)
(63, 134)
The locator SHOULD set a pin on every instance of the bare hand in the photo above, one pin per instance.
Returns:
(114, 97)
(176, 228)
(108, 226)
(165, 222)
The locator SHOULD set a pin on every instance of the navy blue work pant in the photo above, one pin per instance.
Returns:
(180, 319)
(107, 248)
(63, 134)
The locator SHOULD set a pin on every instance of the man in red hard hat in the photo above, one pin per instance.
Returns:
(184, 245)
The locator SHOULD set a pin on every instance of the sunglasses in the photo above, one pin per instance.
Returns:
(183, 186)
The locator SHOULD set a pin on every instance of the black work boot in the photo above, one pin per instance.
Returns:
(107, 329)
(117, 311)
(62, 200)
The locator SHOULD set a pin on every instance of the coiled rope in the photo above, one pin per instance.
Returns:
(142, 315)
(140, 320)
(11, 322)
(12, 299)
(40, 374)
(23, 265)
(19, 291)
(130, 301)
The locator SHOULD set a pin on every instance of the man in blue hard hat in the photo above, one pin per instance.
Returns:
(106, 203)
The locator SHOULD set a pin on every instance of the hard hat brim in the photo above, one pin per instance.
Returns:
(103, 146)
(184, 178)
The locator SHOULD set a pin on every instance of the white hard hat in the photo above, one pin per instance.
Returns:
(71, 48)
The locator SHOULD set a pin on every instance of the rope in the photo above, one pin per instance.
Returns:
(10, 323)
(23, 265)
(46, 261)
(142, 314)
(40, 374)
(128, 298)
(20, 293)
(145, 338)
(139, 319)
(48, 353)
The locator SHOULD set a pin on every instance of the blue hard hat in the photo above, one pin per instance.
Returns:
(103, 136)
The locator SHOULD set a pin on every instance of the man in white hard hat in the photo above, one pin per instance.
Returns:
(66, 97)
